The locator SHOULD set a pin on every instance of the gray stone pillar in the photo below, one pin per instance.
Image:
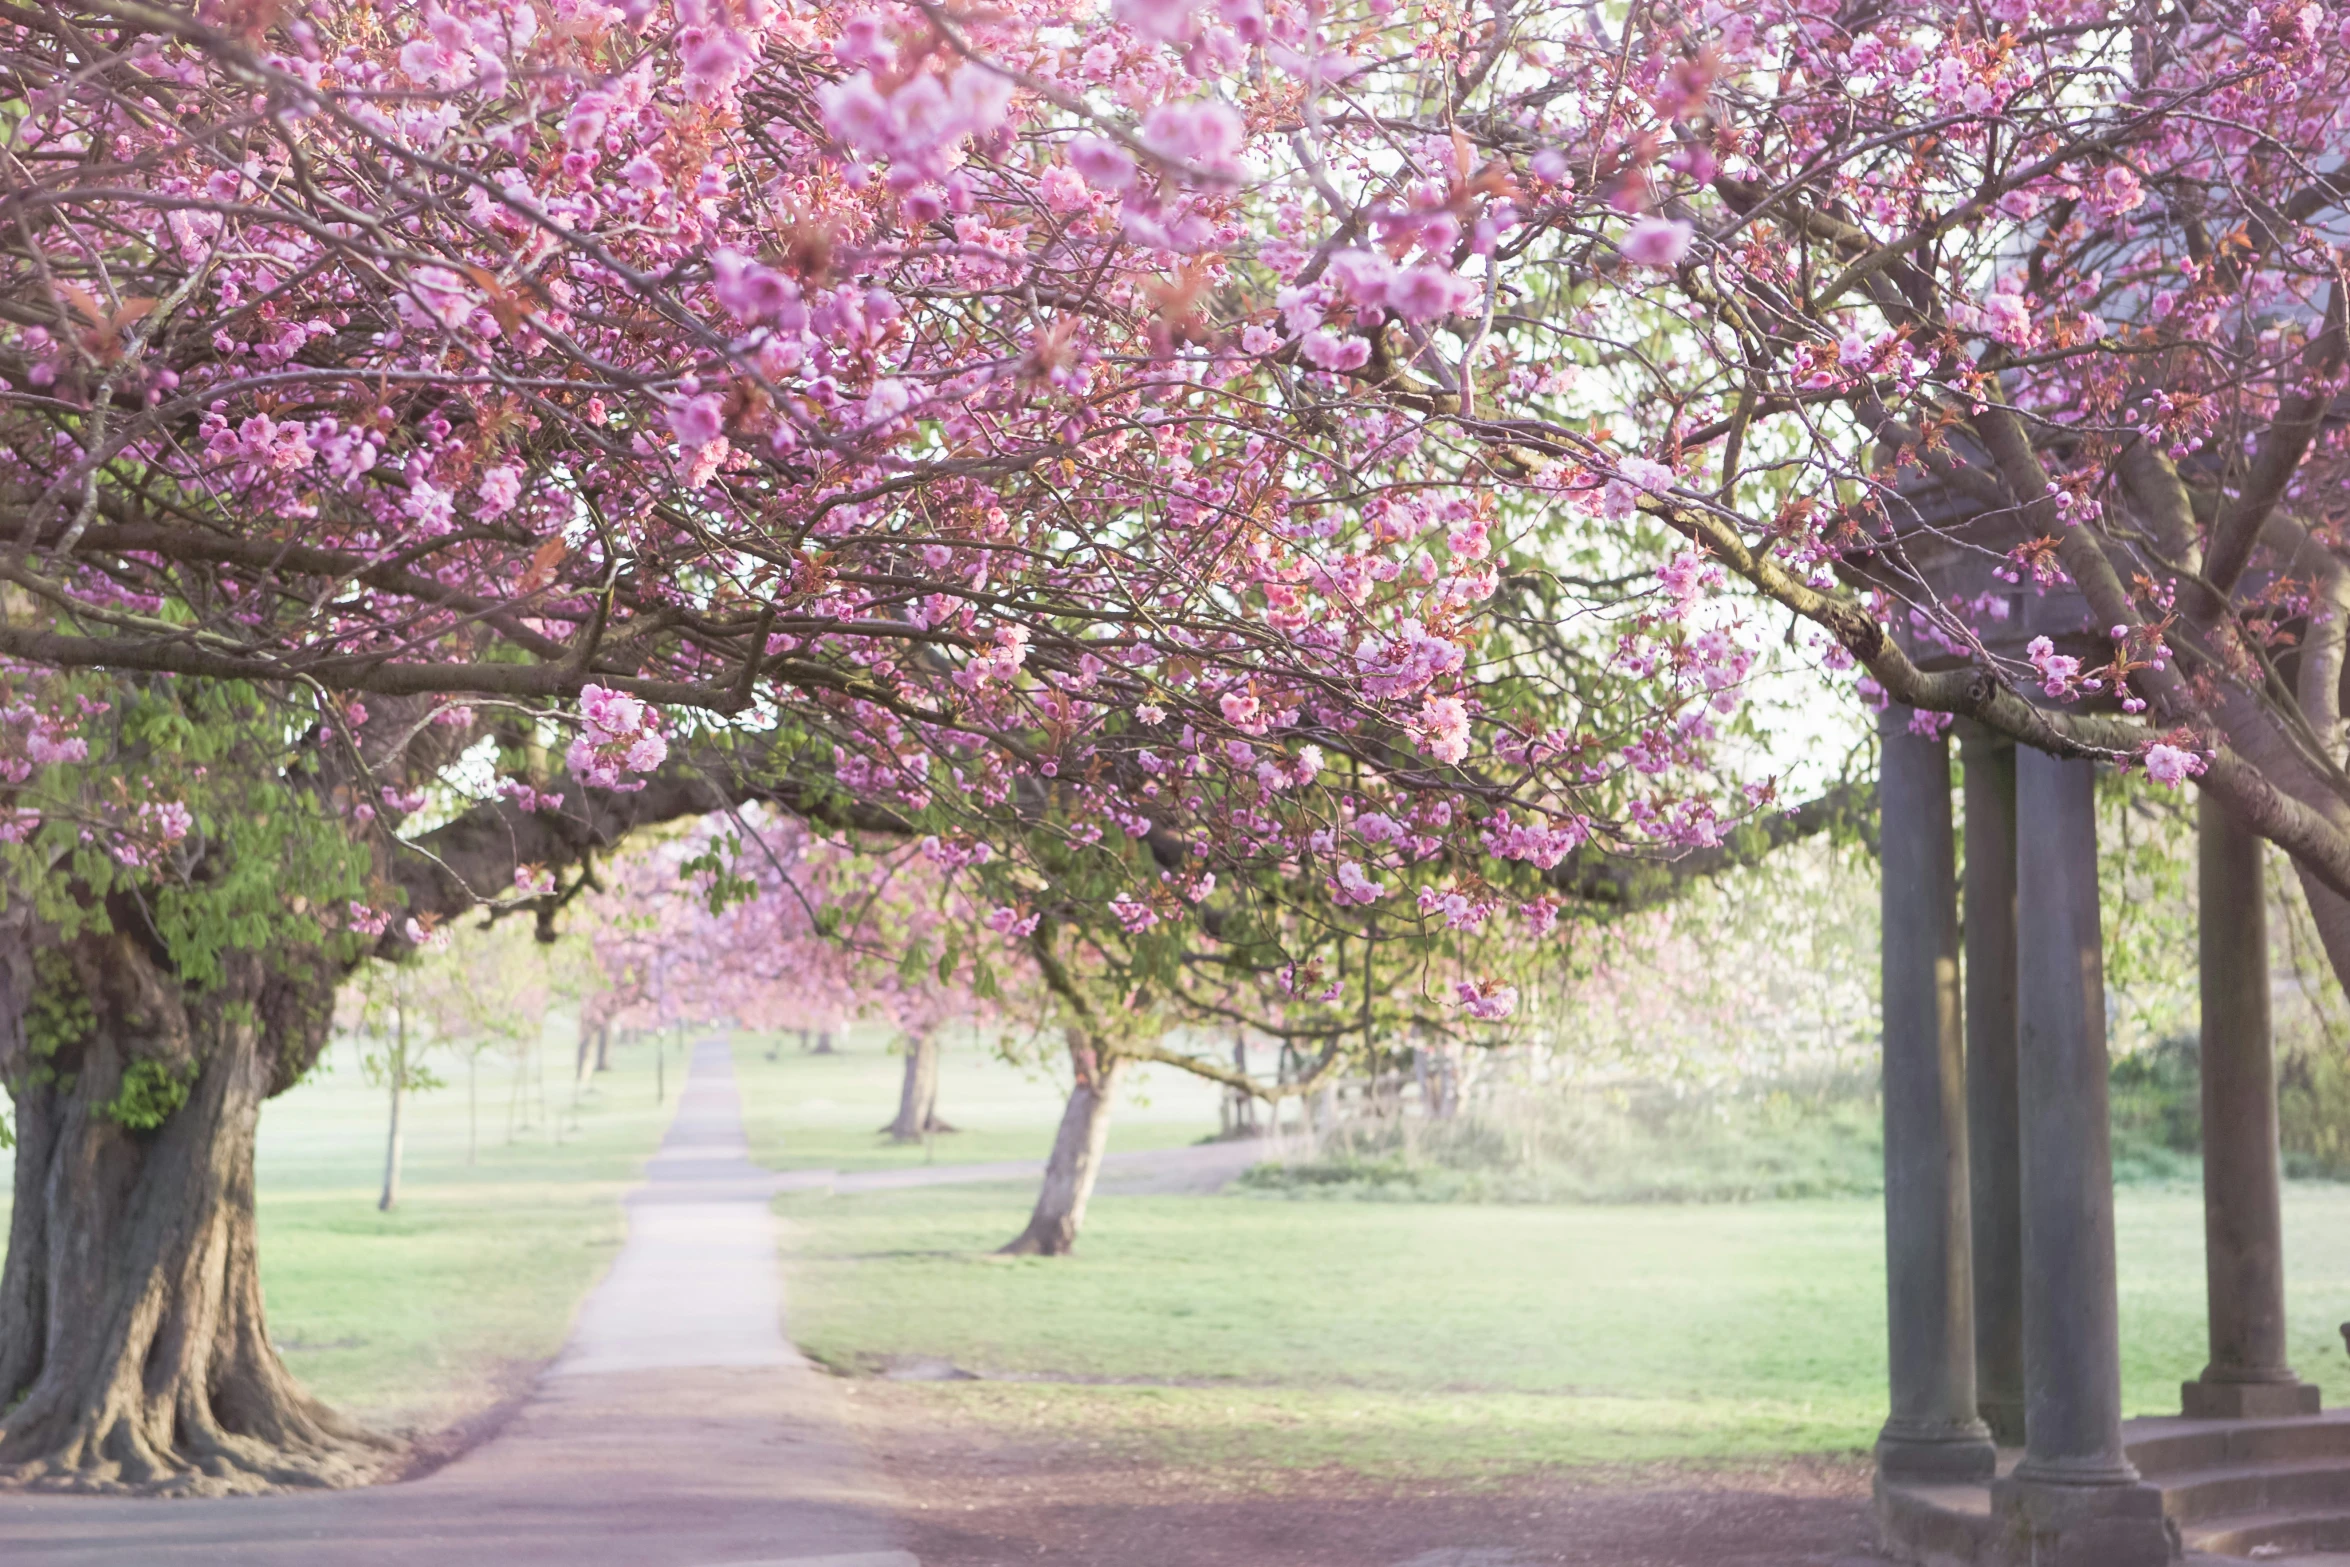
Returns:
(1934, 1432)
(2243, 1227)
(1995, 1175)
(2074, 1500)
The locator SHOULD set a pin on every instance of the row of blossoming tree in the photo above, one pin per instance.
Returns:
(1296, 476)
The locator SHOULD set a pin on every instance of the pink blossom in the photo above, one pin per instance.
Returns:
(857, 113)
(863, 43)
(697, 421)
(1428, 292)
(1658, 242)
(2170, 766)
(44, 749)
(1353, 886)
(436, 296)
(497, 491)
(1246, 18)
(526, 798)
(1063, 189)
(1443, 728)
(1008, 921)
(1927, 724)
(1165, 20)
(716, 61)
(170, 821)
(749, 291)
(434, 510)
(2117, 191)
(1646, 474)
(584, 125)
(1487, 999)
(1363, 275)
(2057, 671)
(1330, 351)
(619, 734)
(1202, 132)
(980, 96)
(2005, 317)
(1102, 163)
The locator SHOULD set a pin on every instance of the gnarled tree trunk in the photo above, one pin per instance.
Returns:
(133, 1350)
(1077, 1155)
(918, 1095)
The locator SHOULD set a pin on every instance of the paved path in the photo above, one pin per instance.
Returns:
(679, 1428)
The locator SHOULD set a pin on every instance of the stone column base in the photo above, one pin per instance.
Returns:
(2051, 1525)
(1953, 1455)
(2203, 1399)
(2005, 1418)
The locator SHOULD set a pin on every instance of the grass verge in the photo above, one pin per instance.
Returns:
(807, 1111)
(1425, 1340)
(419, 1318)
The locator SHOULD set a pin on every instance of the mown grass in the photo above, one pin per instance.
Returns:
(422, 1316)
(802, 1110)
(1446, 1339)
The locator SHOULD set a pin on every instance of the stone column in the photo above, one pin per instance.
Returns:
(2074, 1500)
(2243, 1230)
(1933, 1433)
(1996, 1196)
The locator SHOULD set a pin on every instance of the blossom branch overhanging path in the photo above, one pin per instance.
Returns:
(1166, 406)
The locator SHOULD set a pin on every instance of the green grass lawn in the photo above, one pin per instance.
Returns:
(421, 1316)
(1440, 1339)
(807, 1111)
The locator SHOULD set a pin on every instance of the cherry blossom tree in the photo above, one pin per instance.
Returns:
(891, 399)
(1365, 455)
(751, 916)
(184, 891)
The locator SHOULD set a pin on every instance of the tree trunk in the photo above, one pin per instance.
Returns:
(1077, 1156)
(824, 1041)
(604, 1047)
(133, 1351)
(399, 1081)
(472, 1104)
(918, 1096)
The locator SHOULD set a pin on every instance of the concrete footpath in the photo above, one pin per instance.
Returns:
(678, 1429)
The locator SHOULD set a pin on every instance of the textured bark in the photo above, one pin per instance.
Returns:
(917, 1115)
(1077, 1156)
(133, 1349)
(2319, 691)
